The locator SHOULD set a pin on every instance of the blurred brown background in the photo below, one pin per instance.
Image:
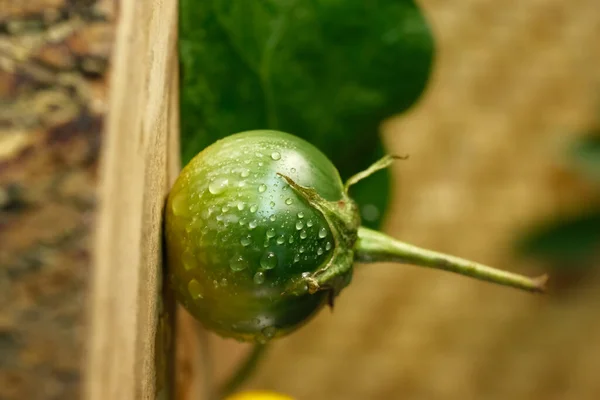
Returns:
(513, 82)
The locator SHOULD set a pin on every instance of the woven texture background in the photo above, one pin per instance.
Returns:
(513, 82)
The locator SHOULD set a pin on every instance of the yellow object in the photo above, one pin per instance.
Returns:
(259, 395)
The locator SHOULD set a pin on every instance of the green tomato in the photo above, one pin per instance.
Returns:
(242, 242)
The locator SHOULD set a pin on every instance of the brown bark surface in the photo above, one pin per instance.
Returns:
(53, 66)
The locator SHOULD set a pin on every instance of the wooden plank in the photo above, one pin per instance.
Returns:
(126, 286)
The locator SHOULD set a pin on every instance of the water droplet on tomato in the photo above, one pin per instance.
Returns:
(261, 188)
(328, 246)
(270, 233)
(253, 208)
(275, 155)
(195, 289)
(259, 278)
(245, 241)
(299, 225)
(300, 215)
(252, 224)
(269, 332)
(303, 235)
(238, 263)
(322, 233)
(288, 201)
(268, 260)
(188, 259)
(218, 185)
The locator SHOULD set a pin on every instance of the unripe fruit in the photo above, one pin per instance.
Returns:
(241, 240)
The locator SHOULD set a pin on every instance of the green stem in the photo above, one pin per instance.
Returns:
(373, 246)
(243, 372)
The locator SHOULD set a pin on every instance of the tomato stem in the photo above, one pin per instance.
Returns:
(373, 246)
(243, 371)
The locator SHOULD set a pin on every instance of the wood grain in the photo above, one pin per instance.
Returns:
(139, 149)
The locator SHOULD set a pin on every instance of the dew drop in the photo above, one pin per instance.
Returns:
(237, 263)
(261, 188)
(272, 204)
(241, 205)
(224, 282)
(288, 201)
(253, 208)
(275, 155)
(280, 240)
(259, 278)
(245, 173)
(252, 224)
(303, 235)
(268, 260)
(322, 233)
(195, 289)
(269, 332)
(260, 163)
(272, 218)
(293, 170)
(309, 223)
(320, 251)
(178, 205)
(215, 284)
(299, 225)
(300, 215)
(188, 259)
(270, 233)
(224, 209)
(218, 185)
(328, 246)
(245, 241)
(297, 258)
(243, 221)
(291, 239)
(301, 249)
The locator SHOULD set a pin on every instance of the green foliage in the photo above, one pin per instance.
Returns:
(571, 241)
(328, 71)
(568, 240)
(585, 155)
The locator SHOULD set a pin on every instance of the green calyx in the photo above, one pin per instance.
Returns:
(358, 244)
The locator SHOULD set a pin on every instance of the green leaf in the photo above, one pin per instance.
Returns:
(568, 240)
(585, 153)
(328, 71)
